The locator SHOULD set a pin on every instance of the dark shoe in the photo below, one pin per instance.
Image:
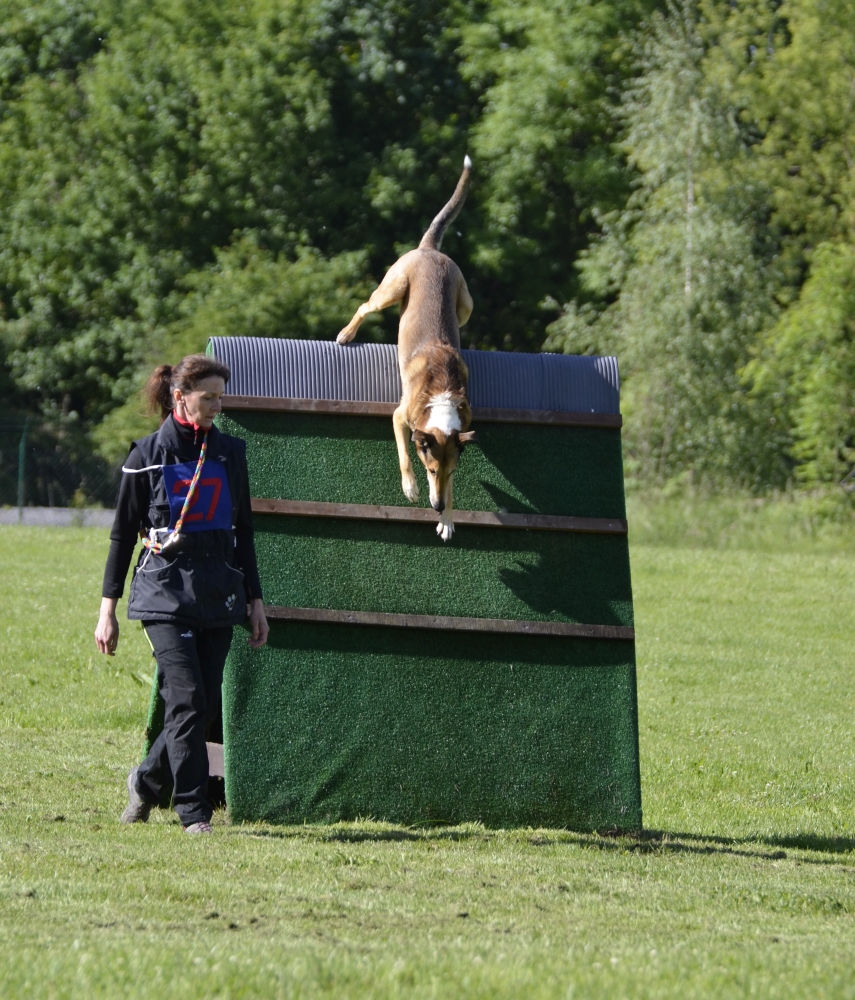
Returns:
(137, 809)
(200, 827)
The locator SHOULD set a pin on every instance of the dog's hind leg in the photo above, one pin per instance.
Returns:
(408, 479)
(445, 528)
(391, 289)
(464, 304)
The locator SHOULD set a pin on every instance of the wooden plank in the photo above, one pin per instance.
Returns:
(448, 623)
(346, 407)
(558, 418)
(426, 515)
(279, 404)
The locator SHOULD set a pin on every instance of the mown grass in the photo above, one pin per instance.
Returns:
(743, 883)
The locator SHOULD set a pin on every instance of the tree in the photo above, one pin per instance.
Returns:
(798, 81)
(549, 76)
(161, 161)
(806, 368)
(679, 285)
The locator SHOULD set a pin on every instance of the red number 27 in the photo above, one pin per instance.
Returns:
(183, 484)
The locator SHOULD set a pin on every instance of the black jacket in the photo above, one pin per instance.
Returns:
(210, 580)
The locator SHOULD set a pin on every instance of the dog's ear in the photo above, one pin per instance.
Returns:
(467, 437)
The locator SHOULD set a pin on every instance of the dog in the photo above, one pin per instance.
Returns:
(435, 303)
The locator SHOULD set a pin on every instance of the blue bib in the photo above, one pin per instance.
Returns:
(211, 506)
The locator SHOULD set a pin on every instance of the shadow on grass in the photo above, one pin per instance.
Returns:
(796, 842)
(758, 848)
(660, 842)
(356, 836)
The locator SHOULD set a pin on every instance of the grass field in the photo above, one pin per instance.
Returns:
(743, 883)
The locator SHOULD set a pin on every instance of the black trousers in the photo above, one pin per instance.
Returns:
(190, 665)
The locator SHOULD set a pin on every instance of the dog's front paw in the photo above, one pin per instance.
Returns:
(410, 488)
(445, 529)
(345, 336)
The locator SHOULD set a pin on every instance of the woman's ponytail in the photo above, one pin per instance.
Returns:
(158, 391)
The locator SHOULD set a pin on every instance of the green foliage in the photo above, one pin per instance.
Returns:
(799, 84)
(549, 74)
(128, 422)
(677, 286)
(807, 367)
(807, 363)
(806, 108)
(662, 191)
(146, 147)
(250, 293)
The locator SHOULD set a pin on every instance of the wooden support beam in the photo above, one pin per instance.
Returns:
(447, 623)
(281, 404)
(426, 515)
(558, 418)
(484, 414)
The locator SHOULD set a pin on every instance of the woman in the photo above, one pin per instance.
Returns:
(185, 492)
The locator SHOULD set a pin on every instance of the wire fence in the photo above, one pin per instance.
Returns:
(42, 465)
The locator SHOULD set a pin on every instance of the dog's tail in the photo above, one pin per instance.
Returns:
(433, 237)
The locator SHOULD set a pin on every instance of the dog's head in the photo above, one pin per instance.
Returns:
(439, 454)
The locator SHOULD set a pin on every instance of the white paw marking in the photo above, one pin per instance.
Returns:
(345, 337)
(445, 529)
(410, 488)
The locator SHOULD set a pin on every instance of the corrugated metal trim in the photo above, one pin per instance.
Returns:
(309, 369)
(312, 369)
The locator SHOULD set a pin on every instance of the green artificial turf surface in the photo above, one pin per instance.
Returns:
(482, 573)
(742, 885)
(333, 723)
(574, 471)
(505, 730)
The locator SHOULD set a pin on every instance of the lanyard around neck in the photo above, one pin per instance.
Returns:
(158, 547)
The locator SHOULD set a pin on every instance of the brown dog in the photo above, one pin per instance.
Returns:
(435, 303)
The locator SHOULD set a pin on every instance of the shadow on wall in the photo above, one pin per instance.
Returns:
(558, 470)
(522, 574)
(535, 585)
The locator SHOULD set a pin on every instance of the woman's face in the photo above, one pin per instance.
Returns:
(203, 403)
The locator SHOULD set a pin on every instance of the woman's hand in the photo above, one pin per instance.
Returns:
(260, 628)
(107, 632)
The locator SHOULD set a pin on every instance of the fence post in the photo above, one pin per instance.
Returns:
(22, 458)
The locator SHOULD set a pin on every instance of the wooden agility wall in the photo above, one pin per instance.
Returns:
(491, 678)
